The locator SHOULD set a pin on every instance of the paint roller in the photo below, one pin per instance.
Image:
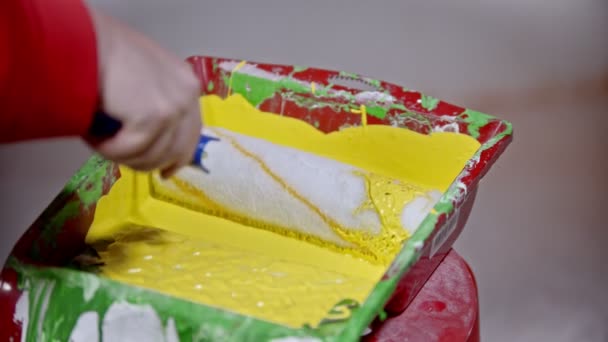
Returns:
(296, 193)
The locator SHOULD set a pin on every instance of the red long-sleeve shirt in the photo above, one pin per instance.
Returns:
(48, 69)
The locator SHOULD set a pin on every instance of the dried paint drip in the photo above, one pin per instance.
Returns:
(363, 112)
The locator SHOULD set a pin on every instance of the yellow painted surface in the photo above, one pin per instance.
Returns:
(431, 160)
(225, 264)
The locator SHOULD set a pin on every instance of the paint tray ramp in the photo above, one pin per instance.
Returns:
(52, 262)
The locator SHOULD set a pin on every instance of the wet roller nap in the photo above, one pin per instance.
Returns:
(182, 260)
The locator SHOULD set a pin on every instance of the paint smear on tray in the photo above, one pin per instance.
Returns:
(221, 263)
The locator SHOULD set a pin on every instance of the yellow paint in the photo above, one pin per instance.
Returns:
(313, 87)
(431, 160)
(271, 276)
(260, 285)
(240, 65)
(387, 197)
(235, 69)
(363, 111)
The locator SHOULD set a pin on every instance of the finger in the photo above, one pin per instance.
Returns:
(189, 131)
(129, 142)
(160, 154)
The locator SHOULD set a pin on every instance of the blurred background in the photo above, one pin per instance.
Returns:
(536, 236)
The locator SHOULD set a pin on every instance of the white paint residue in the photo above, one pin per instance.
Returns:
(450, 118)
(374, 96)
(90, 288)
(341, 93)
(460, 185)
(474, 161)
(6, 287)
(416, 210)
(22, 310)
(125, 322)
(451, 127)
(209, 332)
(44, 304)
(171, 331)
(86, 329)
(457, 191)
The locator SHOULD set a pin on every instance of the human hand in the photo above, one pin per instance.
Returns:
(152, 93)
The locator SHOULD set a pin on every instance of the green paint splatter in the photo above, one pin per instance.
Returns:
(367, 312)
(257, 89)
(298, 68)
(210, 86)
(508, 130)
(475, 120)
(445, 207)
(324, 91)
(375, 83)
(90, 192)
(88, 180)
(349, 75)
(343, 305)
(382, 315)
(307, 102)
(399, 106)
(428, 102)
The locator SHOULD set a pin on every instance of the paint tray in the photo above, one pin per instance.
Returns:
(51, 265)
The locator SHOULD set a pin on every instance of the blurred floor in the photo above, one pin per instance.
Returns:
(535, 238)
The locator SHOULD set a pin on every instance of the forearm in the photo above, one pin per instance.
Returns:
(48, 69)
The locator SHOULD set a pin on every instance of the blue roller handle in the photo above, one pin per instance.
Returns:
(105, 126)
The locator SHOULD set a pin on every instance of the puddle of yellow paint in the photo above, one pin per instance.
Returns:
(222, 263)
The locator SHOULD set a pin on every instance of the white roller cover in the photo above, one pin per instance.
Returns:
(289, 188)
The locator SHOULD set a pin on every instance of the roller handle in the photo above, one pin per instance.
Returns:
(104, 126)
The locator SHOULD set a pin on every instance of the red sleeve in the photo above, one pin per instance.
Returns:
(48, 69)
